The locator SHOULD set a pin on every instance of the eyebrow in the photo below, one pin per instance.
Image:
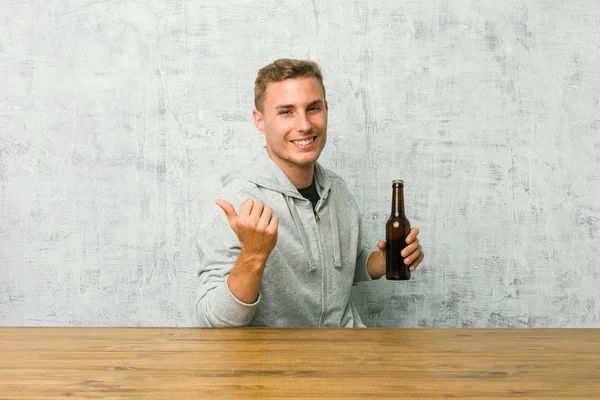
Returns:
(290, 106)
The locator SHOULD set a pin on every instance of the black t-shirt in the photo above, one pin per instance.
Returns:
(310, 193)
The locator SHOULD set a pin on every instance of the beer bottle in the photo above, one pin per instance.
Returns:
(396, 231)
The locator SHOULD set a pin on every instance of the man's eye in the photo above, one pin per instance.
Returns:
(315, 108)
(284, 112)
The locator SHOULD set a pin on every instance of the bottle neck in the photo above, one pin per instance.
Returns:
(397, 201)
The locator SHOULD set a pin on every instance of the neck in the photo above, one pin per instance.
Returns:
(301, 176)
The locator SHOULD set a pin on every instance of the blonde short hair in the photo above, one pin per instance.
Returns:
(283, 69)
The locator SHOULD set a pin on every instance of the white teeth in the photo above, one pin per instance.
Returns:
(304, 142)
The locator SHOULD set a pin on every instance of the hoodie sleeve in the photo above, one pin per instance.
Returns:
(361, 274)
(218, 249)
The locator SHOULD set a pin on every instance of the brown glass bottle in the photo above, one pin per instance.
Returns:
(396, 231)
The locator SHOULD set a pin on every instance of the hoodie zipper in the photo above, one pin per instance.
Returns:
(323, 272)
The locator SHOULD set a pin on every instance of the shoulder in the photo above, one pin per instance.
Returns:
(235, 191)
(237, 188)
(340, 191)
(338, 183)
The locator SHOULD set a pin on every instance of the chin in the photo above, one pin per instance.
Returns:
(302, 161)
(307, 159)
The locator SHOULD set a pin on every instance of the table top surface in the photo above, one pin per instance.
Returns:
(265, 363)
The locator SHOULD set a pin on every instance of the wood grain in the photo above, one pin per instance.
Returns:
(135, 363)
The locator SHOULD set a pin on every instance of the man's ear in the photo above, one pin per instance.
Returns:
(259, 121)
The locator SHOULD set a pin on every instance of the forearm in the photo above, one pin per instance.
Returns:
(245, 277)
(231, 302)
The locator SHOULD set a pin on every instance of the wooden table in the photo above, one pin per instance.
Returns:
(151, 363)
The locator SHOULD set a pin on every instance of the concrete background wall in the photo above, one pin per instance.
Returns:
(117, 119)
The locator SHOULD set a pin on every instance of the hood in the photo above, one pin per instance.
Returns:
(263, 172)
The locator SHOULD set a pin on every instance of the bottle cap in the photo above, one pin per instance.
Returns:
(398, 181)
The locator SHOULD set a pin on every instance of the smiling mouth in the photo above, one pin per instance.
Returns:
(305, 142)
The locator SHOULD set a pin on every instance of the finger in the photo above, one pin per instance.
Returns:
(226, 207)
(246, 208)
(409, 249)
(382, 245)
(265, 218)
(417, 262)
(273, 225)
(257, 210)
(413, 256)
(229, 212)
(412, 235)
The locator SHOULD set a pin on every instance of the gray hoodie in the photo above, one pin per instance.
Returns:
(309, 275)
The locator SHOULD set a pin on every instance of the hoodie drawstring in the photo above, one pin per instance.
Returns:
(311, 261)
(337, 262)
(337, 258)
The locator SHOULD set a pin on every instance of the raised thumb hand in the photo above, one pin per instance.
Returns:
(229, 212)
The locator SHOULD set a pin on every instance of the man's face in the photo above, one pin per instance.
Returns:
(294, 121)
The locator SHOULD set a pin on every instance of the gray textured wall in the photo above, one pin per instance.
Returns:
(117, 119)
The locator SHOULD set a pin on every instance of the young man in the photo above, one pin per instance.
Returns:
(289, 255)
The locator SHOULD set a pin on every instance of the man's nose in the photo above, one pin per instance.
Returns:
(302, 122)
